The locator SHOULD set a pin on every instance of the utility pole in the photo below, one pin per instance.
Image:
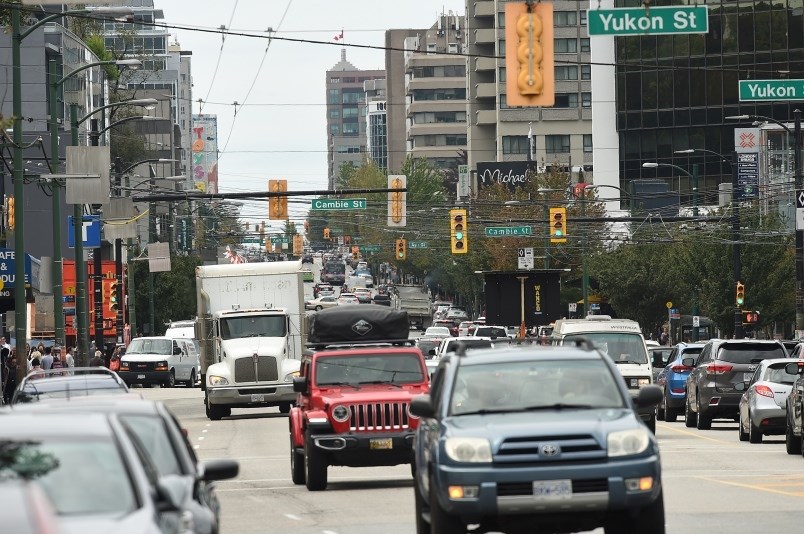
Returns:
(118, 256)
(97, 262)
(55, 186)
(736, 266)
(799, 233)
(82, 340)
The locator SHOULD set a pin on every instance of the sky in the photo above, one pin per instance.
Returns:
(286, 138)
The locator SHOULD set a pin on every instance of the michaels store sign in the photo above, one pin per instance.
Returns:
(510, 173)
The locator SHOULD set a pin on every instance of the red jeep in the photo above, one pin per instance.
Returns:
(354, 393)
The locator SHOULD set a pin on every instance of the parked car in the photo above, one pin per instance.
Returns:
(763, 406)
(75, 382)
(321, 302)
(673, 380)
(522, 436)
(466, 328)
(383, 300)
(723, 363)
(794, 413)
(490, 331)
(26, 508)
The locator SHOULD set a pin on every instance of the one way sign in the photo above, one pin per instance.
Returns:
(90, 231)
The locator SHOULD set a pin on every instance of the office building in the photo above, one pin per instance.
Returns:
(346, 112)
(376, 123)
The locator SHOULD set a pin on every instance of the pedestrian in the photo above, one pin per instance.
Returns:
(97, 360)
(57, 364)
(114, 363)
(34, 354)
(69, 361)
(10, 382)
(47, 358)
(36, 366)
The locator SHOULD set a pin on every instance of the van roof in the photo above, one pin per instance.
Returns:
(595, 323)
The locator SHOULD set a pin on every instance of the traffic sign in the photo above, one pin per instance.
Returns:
(417, 244)
(696, 321)
(508, 231)
(770, 90)
(279, 240)
(525, 258)
(572, 307)
(369, 248)
(91, 231)
(8, 269)
(338, 204)
(659, 20)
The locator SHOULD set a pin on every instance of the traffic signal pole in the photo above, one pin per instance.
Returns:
(97, 265)
(735, 247)
(799, 182)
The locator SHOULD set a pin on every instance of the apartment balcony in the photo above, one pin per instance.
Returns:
(488, 36)
(486, 90)
(484, 8)
(437, 128)
(486, 116)
(485, 64)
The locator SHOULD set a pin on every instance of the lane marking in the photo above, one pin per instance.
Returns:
(294, 517)
(196, 447)
(328, 532)
(200, 438)
(693, 434)
(754, 487)
(205, 430)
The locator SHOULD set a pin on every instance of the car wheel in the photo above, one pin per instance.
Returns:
(690, 418)
(422, 526)
(319, 308)
(315, 466)
(743, 433)
(440, 521)
(661, 410)
(171, 380)
(670, 414)
(754, 432)
(704, 421)
(284, 407)
(791, 444)
(651, 423)
(296, 464)
(191, 383)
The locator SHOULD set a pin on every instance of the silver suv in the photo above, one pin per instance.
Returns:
(723, 363)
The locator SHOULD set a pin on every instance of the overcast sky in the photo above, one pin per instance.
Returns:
(286, 139)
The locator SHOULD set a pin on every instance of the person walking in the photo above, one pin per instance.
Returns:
(10, 379)
(69, 361)
(47, 358)
(97, 360)
(36, 366)
(114, 363)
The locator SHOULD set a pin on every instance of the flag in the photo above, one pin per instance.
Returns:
(531, 143)
(339, 37)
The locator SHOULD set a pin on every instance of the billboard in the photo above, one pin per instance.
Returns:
(205, 153)
(504, 294)
(512, 174)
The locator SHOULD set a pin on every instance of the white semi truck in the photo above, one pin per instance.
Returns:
(251, 330)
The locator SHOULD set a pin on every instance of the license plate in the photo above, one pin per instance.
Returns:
(552, 490)
(381, 443)
(256, 397)
(747, 377)
(140, 377)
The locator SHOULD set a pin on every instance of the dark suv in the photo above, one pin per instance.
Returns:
(723, 363)
(519, 436)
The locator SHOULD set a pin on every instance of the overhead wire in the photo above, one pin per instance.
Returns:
(220, 55)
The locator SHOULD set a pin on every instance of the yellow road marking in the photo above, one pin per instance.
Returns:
(753, 487)
(696, 435)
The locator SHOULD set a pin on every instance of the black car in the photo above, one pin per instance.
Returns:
(157, 431)
(522, 436)
(383, 300)
(65, 383)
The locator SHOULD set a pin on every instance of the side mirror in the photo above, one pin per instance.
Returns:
(170, 492)
(688, 362)
(793, 368)
(422, 406)
(740, 386)
(177, 351)
(648, 396)
(300, 384)
(218, 470)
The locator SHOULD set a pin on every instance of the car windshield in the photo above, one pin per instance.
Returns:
(621, 347)
(253, 326)
(64, 387)
(368, 369)
(81, 476)
(777, 372)
(153, 434)
(750, 352)
(491, 331)
(437, 331)
(515, 386)
(150, 346)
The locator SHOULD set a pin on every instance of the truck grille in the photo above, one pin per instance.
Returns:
(379, 416)
(141, 366)
(569, 448)
(516, 489)
(266, 369)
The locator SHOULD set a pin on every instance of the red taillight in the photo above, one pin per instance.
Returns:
(678, 368)
(765, 391)
(718, 368)
(677, 391)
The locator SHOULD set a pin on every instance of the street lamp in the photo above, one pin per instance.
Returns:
(799, 185)
(17, 36)
(693, 176)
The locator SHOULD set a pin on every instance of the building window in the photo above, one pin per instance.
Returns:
(566, 100)
(515, 144)
(586, 72)
(452, 48)
(587, 142)
(439, 94)
(565, 18)
(501, 47)
(334, 80)
(586, 100)
(501, 19)
(503, 101)
(439, 117)
(353, 97)
(445, 71)
(334, 97)
(501, 75)
(566, 46)
(350, 111)
(557, 144)
(334, 114)
(334, 129)
(351, 128)
(566, 73)
(348, 80)
(583, 17)
(585, 45)
(431, 48)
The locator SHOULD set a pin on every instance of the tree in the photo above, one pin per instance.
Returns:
(174, 292)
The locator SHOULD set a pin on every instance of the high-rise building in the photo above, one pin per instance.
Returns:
(396, 96)
(346, 112)
(376, 123)
(498, 132)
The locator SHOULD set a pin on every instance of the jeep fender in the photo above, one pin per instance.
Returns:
(296, 426)
(317, 420)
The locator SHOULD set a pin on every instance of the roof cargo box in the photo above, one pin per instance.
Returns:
(358, 323)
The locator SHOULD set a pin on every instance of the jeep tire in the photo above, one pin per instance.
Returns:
(440, 521)
(296, 463)
(315, 466)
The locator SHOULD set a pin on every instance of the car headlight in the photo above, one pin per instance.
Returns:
(290, 376)
(215, 380)
(124, 366)
(340, 413)
(161, 366)
(473, 450)
(628, 442)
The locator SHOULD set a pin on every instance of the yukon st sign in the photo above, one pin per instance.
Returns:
(769, 90)
(654, 21)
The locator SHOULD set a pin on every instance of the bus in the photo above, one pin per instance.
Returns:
(334, 272)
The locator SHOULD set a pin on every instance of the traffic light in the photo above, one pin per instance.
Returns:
(11, 213)
(347, 240)
(750, 317)
(530, 79)
(739, 297)
(112, 296)
(558, 225)
(458, 231)
(401, 249)
(397, 201)
(355, 253)
(277, 206)
(326, 233)
(298, 245)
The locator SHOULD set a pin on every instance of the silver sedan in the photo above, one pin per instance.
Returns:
(763, 407)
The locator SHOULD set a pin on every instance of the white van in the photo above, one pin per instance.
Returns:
(622, 340)
(160, 360)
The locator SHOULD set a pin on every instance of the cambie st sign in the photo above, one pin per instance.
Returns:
(768, 90)
(653, 21)
(338, 204)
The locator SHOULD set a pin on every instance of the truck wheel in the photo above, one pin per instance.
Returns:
(285, 407)
(171, 380)
(422, 526)
(440, 521)
(296, 464)
(315, 466)
(191, 383)
(216, 413)
(650, 519)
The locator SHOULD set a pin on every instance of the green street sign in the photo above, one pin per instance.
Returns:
(256, 240)
(369, 248)
(769, 90)
(338, 204)
(660, 20)
(279, 240)
(417, 244)
(508, 231)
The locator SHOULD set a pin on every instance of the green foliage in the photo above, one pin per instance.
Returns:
(174, 292)
(97, 45)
